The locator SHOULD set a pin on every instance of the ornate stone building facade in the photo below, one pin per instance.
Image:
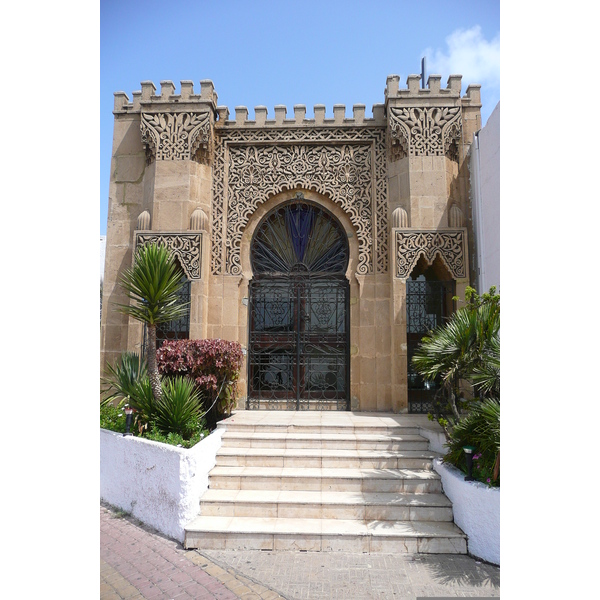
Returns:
(325, 246)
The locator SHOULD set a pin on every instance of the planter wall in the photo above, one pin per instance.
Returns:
(476, 511)
(158, 484)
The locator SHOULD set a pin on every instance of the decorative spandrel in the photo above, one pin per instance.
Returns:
(187, 247)
(450, 245)
(299, 237)
(347, 165)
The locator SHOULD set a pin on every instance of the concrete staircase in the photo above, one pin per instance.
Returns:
(328, 481)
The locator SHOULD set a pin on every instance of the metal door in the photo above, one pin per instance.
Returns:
(428, 305)
(299, 333)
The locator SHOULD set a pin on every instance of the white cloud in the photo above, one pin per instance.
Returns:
(468, 54)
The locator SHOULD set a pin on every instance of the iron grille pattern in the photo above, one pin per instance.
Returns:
(428, 303)
(299, 331)
(299, 343)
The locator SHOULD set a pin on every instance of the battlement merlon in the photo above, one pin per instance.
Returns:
(280, 117)
(433, 94)
(167, 100)
(147, 100)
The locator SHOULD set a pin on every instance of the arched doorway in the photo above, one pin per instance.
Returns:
(299, 350)
(429, 303)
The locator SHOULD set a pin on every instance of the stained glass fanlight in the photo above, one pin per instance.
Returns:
(299, 238)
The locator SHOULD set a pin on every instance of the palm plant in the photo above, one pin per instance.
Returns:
(152, 286)
(480, 428)
(467, 347)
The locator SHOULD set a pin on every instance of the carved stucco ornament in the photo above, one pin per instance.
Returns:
(187, 247)
(176, 136)
(346, 165)
(433, 131)
(449, 245)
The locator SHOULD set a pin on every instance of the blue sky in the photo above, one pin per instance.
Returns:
(269, 53)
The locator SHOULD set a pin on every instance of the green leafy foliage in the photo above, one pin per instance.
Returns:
(214, 365)
(112, 418)
(175, 416)
(123, 378)
(179, 408)
(174, 439)
(152, 285)
(466, 350)
(480, 428)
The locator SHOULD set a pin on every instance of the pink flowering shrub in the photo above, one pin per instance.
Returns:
(208, 363)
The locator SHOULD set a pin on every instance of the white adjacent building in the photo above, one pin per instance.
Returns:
(485, 195)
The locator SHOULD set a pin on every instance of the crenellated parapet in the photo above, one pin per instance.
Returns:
(167, 101)
(173, 126)
(279, 117)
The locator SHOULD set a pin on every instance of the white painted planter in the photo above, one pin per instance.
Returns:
(437, 439)
(476, 511)
(158, 484)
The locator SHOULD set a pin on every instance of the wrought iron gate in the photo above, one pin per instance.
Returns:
(428, 304)
(299, 338)
(299, 344)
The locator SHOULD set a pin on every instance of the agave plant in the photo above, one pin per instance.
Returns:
(152, 285)
(123, 377)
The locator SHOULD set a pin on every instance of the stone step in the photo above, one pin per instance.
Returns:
(369, 506)
(306, 405)
(319, 428)
(325, 479)
(324, 457)
(325, 482)
(339, 441)
(250, 533)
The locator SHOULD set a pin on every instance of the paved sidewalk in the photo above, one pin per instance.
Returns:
(137, 563)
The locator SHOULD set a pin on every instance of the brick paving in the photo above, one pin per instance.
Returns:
(136, 563)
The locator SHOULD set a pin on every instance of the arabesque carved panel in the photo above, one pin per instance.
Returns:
(346, 165)
(175, 136)
(187, 247)
(418, 131)
(448, 244)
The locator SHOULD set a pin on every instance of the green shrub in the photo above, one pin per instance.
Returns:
(213, 364)
(466, 348)
(481, 429)
(175, 439)
(112, 418)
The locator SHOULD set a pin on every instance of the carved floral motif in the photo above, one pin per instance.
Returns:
(176, 136)
(449, 245)
(247, 173)
(187, 247)
(433, 131)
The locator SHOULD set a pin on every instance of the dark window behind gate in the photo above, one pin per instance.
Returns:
(428, 304)
(298, 352)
